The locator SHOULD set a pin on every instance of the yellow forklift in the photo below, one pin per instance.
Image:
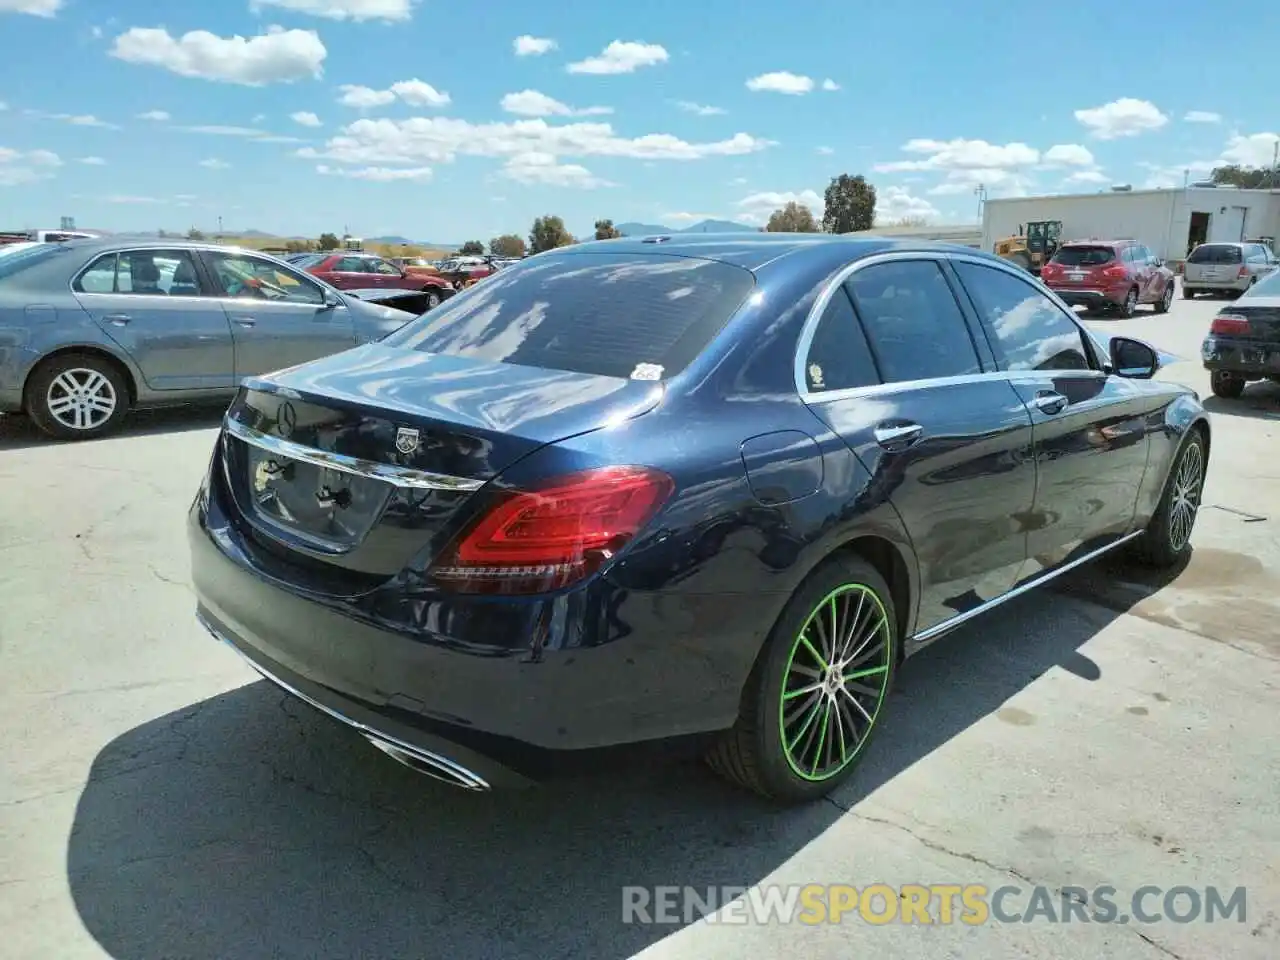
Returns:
(1033, 248)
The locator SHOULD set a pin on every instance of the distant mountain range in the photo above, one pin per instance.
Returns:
(706, 226)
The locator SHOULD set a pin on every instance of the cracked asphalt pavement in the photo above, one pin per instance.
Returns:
(158, 801)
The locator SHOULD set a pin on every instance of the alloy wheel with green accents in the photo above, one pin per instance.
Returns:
(835, 681)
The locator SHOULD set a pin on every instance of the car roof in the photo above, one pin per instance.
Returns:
(753, 251)
(119, 241)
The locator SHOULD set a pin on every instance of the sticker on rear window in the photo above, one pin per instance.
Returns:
(647, 371)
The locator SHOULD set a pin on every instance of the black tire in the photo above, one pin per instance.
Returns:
(1167, 540)
(1130, 305)
(433, 299)
(1188, 294)
(1166, 300)
(1226, 384)
(754, 754)
(46, 386)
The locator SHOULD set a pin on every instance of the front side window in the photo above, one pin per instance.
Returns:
(839, 357)
(385, 268)
(643, 316)
(912, 321)
(252, 278)
(1030, 330)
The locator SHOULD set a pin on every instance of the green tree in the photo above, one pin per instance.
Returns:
(547, 233)
(507, 245)
(472, 248)
(194, 234)
(849, 205)
(793, 218)
(605, 230)
(328, 241)
(1246, 178)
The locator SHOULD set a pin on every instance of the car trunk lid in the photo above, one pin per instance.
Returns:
(360, 460)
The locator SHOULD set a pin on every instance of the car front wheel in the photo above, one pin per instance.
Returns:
(77, 397)
(815, 695)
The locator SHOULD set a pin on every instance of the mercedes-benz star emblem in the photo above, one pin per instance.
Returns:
(286, 420)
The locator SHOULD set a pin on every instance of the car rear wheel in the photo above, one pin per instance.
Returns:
(1226, 384)
(815, 696)
(1167, 539)
(77, 397)
(1166, 299)
(1130, 305)
(1188, 294)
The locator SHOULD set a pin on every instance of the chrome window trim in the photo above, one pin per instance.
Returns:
(402, 477)
(844, 273)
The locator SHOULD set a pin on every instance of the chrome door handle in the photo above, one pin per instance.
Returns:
(243, 321)
(119, 319)
(898, 436)
(1049, 402)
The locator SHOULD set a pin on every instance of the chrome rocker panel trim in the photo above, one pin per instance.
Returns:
(422, 761)
(403, 477)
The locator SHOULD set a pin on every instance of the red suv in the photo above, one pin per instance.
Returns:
(1109, 275)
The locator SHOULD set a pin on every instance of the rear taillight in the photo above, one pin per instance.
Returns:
(1243, 272)
(550, 537)
(1229, 324)
(1115, 273)
(1050, 270)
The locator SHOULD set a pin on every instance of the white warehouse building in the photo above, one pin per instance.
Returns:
(1169, 222)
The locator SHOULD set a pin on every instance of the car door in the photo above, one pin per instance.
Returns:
(942, 434)
(350, 273)
(279, 317)
(388, 274)
(157, 306)
(1090, 428)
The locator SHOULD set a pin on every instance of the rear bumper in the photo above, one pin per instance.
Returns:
(1233, 283)
(1248, 358)
(1080, 297)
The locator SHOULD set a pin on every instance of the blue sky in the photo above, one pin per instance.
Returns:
(425, 121)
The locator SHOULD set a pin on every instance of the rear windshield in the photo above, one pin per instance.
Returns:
(15, 263)
(1216, 253)
(1083, 256)
(644, 316)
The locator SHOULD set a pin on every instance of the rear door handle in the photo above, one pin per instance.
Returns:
(119, 319)
(898, 436)
(1047, 401)
(244, 321)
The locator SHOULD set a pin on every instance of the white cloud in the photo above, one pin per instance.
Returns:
(305, 118)
(249, 133)
(76, 120)
(1125, 117)
(1167, 176)
(688, 106)
(1254, 150)
(531, 103)
(358, 10)
(825, 151)
(215, 164)
(130, 198)
(756, 208)
(1001, 168)
(420, 140)
(682, 217)
(414, 92)
(780, 82)
(830, 84)
(158, 115)
(622, 56)
(379, 174)
(277, 56)
(894, 204)
(93, 161)
(1202, 116)
(544, 168)
(17, 167)
(1068, 155)
(37, 8)
(1088, 176)
(527, 46)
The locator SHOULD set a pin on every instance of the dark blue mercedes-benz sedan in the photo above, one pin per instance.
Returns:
(705, 491)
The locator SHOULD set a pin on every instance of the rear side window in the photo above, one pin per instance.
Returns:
(913, 322)
(643, 316)
(1215, 253)
(839, 357)
(1084, 256)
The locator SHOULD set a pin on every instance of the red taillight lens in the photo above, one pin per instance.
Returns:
(533, 541)
(1050, 269)
(1229, 324)
(1244, 272)
(1115, 273)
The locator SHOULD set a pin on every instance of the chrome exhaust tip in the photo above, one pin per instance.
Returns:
(431, 765)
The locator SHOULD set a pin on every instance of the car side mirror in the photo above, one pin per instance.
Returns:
(1133, 358)
(331, 299)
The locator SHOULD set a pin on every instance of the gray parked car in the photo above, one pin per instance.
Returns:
(1226, 268)
(91, 328)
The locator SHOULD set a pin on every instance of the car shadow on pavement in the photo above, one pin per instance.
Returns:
(18, 432)
(247, 825)
(1260, 401)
